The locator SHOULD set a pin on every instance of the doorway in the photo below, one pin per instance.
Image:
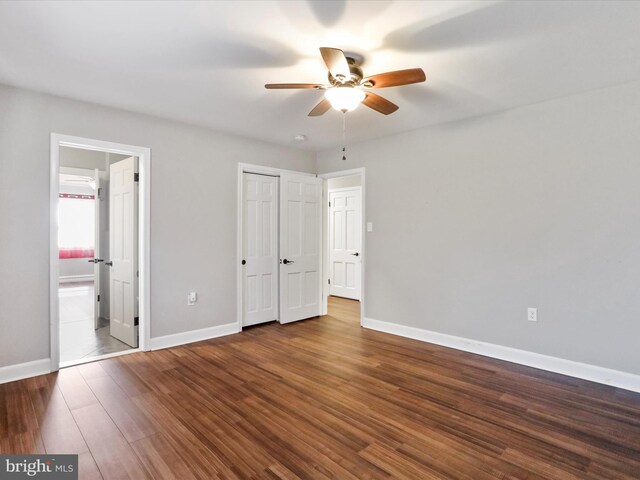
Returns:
(99, 250)
(343, 242)
(279, 245)
(83, 230)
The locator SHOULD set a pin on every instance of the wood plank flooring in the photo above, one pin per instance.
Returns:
(322, 399)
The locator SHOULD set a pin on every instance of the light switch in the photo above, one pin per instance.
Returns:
(369, 226)
(192, 298)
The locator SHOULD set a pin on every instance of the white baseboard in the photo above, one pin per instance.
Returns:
(25, 370)
(615, 378)
(75, 278)
(167, 341)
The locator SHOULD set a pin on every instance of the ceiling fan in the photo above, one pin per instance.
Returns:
(347, 83)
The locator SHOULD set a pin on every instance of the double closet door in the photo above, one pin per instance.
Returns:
(281, 265)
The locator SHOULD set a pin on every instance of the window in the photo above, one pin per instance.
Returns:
(76, 225)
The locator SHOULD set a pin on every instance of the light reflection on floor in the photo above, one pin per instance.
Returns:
(78, 337)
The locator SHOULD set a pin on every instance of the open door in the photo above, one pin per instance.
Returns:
(123, 281)
(97, 258)
(300, 267)
(344, 242)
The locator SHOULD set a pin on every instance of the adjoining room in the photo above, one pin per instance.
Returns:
(88, 234)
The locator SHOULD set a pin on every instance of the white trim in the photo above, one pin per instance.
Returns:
(144, 238)
(345, 189)
(24, 370)
(593, 373)
(250, 168)
(54, 261)
(259, 169)
(362, 171)
(75, 278)
(97, 358)
(182, 338)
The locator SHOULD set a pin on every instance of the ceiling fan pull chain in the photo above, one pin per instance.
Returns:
(344, 135)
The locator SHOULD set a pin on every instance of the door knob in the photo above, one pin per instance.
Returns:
(244, 262)
(355, 254)
(95, 260)
(110, 264)
(286, 262)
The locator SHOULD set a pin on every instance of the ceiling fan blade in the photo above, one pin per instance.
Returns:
(272, 86)
(379, 104)
(399, 77)
(336, 63)
(321, 108)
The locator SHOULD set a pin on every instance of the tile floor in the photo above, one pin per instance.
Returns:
(78, 338)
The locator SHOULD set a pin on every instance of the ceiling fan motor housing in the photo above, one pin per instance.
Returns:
(355, 78)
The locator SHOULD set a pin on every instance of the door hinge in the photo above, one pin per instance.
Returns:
(98, 297)
(329, 203)
(136, 321)
(329, 281)
(136, 177)
(99, 193)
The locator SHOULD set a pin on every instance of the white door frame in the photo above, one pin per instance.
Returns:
(144, 222)
(261, 170)
(325, 235)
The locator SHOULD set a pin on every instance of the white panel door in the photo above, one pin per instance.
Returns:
(96, 251)
(344, 242)
(123, 208)
(300, 271)
(260, 248)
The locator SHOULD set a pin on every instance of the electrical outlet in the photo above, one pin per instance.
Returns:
(192, 298)
(532, 314)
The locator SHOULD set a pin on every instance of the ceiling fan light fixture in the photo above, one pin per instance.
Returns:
(344, 99)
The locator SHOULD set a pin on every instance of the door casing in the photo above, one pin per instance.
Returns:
(144, 220)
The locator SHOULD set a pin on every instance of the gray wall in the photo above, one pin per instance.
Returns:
(81, 158)
(539, 206)
(193, 213)
(74, 267)
(344, 182)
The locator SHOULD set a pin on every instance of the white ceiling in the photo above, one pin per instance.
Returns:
(206, 62)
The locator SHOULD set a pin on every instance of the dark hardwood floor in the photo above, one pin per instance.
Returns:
(323, 398)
